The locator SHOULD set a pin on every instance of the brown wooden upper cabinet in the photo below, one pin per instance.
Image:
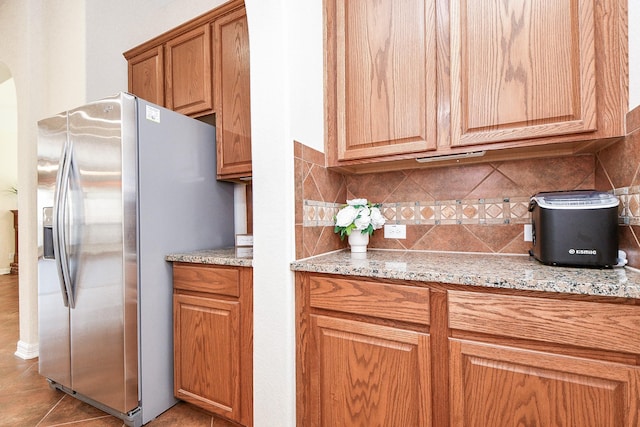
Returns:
(522, 70)
(175, 71)
(146, 75)
(426, 78)
(231, 89)
(188, 72)
(381, 76)
(201, 68)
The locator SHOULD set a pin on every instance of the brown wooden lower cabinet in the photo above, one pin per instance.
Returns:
(363, 353)
(213, 339)
(398, 353)
(528, 360)
(493, 385)
(368, 375)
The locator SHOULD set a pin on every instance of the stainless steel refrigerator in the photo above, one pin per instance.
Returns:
(121, 184)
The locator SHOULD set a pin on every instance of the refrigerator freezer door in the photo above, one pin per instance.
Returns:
(104, 320)
(53, 318)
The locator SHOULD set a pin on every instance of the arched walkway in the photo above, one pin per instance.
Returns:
(8, 169)
(8, 166)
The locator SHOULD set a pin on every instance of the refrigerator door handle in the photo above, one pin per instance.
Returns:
(59, 227)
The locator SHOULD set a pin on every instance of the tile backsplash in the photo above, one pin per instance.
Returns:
(314, 182)
(470, 208)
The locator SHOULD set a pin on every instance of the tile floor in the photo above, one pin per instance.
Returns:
(27, 401)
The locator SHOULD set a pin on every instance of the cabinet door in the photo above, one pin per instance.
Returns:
(521, 69)
(493, 385)
(368, 375)
(380, 94)
(188, 72)
(232, 95)
(207, 353)
(146, 75)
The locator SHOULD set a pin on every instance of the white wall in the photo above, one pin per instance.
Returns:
(64, 55)
(286, 105)
(41, 48)
(8, 170)
(634, 54)
(273, 222)
(114, 27)
(21, 32)
(307, 74)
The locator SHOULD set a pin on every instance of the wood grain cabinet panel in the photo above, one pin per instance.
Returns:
(357, 364)
(146, 75)
(213, 279)
(357, 296)
(611, 327)
(515, 362)
(499, 386)
(232, 95)
(188, 72)
(368, 375)
(207, 357)
(380, 94)
(213, 339)
(522, 69)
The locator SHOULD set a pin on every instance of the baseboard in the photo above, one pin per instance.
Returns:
(27, 351)
(5, 270)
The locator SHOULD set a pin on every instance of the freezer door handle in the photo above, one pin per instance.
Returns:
(59, 226)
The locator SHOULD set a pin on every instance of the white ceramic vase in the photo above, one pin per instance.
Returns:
(358, 241)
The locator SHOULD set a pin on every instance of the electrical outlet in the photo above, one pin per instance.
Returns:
(528, 233)
(395, 231)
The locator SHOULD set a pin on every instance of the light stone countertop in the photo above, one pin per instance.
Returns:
(485, 270)
(227, 256)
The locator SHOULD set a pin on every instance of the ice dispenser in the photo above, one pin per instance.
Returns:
(47, 233)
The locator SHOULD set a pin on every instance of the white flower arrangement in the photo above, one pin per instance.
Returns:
(358, 214)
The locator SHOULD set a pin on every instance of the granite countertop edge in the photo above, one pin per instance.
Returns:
(518, 272)
(225, 256)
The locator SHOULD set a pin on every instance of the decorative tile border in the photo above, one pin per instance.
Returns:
(629, 208)
(319, 214)
(507, 210)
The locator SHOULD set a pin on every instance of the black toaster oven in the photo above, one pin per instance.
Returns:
(575, 228)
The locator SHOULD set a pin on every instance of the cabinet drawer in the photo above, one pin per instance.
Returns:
(395, 302)
(597, 325)
(206, 278)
